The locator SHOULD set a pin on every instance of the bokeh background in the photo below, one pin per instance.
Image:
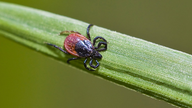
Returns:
(29, 79)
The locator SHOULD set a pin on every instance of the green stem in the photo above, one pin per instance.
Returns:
(146, 67)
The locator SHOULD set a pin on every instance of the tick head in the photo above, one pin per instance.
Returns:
(96, 55)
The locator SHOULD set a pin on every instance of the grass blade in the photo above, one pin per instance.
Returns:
(146, 67)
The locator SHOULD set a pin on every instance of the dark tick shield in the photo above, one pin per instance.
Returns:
(81, 47)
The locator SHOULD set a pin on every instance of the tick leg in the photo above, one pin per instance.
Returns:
(57, 47)
(98, 37)
(68, 32)
(72, 59)
(91, 64)
(88, 28)
(101, 49)
(86, 65)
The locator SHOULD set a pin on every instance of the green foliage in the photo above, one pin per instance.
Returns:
(146, 67)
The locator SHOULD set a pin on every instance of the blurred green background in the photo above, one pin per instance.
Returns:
(29, 79)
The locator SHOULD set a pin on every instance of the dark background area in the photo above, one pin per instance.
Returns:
(29, 79)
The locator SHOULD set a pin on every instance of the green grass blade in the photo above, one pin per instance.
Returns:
(146, 67)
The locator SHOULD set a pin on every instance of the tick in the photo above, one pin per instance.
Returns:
(81, 47)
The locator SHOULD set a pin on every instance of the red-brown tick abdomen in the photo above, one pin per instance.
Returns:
(71, 41)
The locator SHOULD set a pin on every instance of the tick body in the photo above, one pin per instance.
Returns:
(78, 45)
(81, 47)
